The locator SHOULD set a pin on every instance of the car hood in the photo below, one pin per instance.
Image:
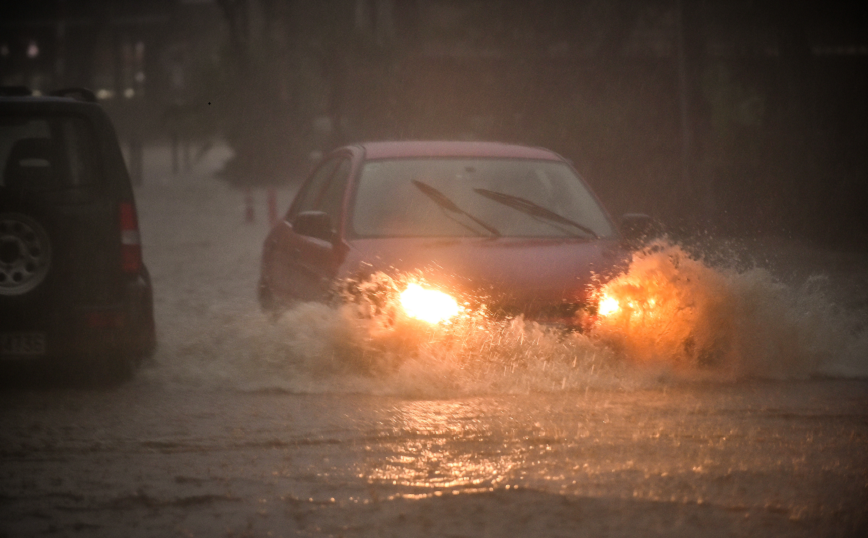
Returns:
(505, 270)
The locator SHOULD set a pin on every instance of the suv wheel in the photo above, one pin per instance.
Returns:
(25, 254)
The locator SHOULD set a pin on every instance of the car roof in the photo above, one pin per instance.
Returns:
(437, 148)
(36, 104)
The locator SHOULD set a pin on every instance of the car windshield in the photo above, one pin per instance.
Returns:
(450, 197)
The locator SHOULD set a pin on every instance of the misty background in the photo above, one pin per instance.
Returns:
(735, 117)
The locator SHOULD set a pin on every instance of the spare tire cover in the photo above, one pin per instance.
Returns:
(25, 254)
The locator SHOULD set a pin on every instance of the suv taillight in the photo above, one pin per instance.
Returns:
(131, 243)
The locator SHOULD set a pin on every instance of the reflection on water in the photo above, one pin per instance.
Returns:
(722, 445)
(442, 445)
(751, 458)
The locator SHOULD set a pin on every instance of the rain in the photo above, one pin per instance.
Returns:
(719, 389)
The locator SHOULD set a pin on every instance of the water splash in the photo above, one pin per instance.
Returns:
(681, 319)
(681, 312)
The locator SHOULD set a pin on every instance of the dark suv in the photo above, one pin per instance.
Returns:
(75, 294)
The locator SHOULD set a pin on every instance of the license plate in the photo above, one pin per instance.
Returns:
(22, 344)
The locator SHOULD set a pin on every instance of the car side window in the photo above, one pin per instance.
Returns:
(332, 198)
(312, 190)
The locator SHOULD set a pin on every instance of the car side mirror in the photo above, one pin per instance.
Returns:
(314, 224)
(638, 228)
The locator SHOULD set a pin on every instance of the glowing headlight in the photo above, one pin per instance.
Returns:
(608, 306)
(428, 305)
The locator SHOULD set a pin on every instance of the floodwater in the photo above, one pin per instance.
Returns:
(727, 396)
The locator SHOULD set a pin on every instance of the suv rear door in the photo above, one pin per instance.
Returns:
(52, 172)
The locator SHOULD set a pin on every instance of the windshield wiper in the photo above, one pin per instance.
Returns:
(534, 210)
(445, 203)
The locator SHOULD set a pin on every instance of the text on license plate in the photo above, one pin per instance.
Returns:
(16, 344)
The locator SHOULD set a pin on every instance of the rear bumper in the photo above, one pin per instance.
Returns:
(81, 331)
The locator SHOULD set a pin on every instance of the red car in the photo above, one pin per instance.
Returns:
(512, 227)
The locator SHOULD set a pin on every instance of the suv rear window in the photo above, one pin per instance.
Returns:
(46, 153)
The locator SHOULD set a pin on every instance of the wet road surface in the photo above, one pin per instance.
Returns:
(749, 459)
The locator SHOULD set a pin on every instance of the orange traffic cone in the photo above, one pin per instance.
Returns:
(249, 215)
(272, 206)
